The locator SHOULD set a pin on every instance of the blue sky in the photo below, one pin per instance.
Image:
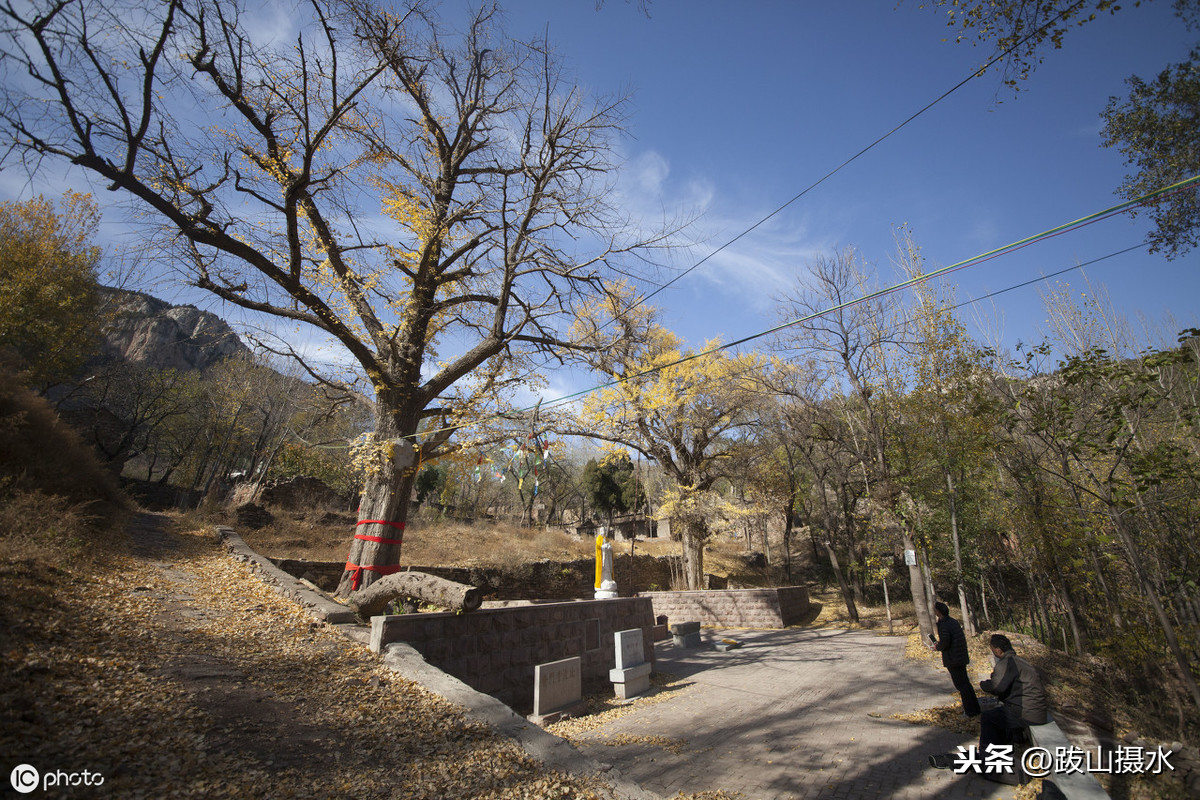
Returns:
(739, 107)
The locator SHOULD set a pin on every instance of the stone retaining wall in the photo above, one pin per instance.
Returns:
(539, 580)
(733, 608)
(495, 650)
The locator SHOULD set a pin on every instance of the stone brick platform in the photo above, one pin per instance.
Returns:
(733, 608)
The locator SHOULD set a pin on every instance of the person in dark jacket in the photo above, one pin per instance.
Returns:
(953, 646)
(1023, 699)
(1018, 685)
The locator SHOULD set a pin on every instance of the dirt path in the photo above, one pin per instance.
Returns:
(173, 671)
(243, 716)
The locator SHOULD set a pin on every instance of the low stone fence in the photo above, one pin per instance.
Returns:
(495, 650)
(733, 608)
(538, 580)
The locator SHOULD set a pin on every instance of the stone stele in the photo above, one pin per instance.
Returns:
(630, 648)
(632, 674)
(557, 690)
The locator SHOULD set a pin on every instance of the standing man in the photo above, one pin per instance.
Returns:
(953, 646)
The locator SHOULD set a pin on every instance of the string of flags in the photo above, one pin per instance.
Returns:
(529, 459)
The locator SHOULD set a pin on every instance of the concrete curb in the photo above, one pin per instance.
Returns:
(315, 603)
(551, 750)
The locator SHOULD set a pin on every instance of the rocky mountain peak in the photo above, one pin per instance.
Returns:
(149, 331)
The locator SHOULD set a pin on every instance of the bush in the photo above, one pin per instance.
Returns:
(34, 526)
(53, 492)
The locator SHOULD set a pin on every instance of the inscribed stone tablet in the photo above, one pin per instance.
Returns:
(629, 648)
(557, 685)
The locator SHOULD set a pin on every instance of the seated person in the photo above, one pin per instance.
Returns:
(1022, 703)
(1023, 700)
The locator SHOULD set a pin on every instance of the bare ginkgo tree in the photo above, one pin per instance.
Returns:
(435, 201)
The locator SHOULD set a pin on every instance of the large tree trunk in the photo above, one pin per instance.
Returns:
(967, 622)
(930, 592)
(1067, 600)
(382, 513)
(987, 618)
(423, 586)
(1113, 602)
(916, 581)
(1041, 613)
(887, 603)
(695, 533)
(787, 540)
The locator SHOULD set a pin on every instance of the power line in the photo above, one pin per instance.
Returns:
(978, 72)
(567, 398)
(1054, 274)
(971, 301)
(1120, 208)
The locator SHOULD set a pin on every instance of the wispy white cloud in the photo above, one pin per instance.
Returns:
(653, 199)
(752, 270)
(748, 275)
(274, 25)
(646, 175)
(766, 261)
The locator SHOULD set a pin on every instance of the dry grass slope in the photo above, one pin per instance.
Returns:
(194, 679)
(325, 536)
(55, 498)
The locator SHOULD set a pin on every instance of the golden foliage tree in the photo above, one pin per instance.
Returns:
(434, 202)
(681, 408)
(49, 295)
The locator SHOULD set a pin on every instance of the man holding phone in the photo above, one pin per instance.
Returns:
(953, 646)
